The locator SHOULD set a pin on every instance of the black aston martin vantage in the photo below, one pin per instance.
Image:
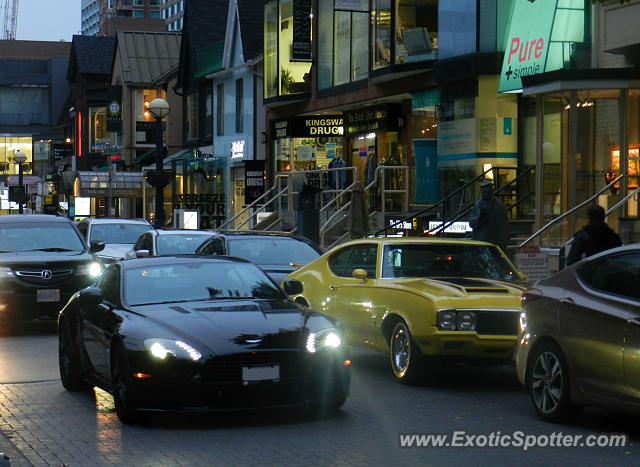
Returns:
(199, 334)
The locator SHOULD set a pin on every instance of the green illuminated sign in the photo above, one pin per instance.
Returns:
(527, 47)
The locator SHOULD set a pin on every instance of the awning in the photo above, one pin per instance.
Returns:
(145, 155)
(177, 156)
(209, 59)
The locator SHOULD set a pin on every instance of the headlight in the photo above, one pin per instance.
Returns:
(5, 272)
(326, 340)
(446, 320)
(523, 321)
(162, 348)
(466, 321)
(93, 269)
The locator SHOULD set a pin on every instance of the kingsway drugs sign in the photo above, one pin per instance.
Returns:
(527, 48)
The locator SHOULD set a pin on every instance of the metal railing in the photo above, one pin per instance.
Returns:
(578, 206)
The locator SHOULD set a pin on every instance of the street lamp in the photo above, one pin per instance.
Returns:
(20, 158)
(159, 109)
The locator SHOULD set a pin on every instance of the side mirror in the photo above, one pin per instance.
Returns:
(142, 253)
(292, 286)
(360, 274)
(91, 296)
(96, 246)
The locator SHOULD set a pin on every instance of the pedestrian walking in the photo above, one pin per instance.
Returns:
(489, 218)
(594, 237)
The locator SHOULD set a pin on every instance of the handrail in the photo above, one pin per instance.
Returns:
(258, 201)
(622, 201)
(518, 177)
(572, 210)
(441, 202)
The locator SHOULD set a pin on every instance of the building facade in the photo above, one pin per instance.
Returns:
(173, 14)
(106, 17)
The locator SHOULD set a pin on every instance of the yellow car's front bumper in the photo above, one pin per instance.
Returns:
(467, 344)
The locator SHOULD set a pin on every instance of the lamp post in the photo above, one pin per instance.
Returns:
(159, 109)
(20, 158)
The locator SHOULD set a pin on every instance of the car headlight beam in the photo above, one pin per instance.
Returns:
(327, 340)
(92, 269)
(162, 348)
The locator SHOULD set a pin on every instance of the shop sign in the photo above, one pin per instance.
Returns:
(114, 108)
(41, 151)
(210, 206)
(527, 47)
(62, 150)
(301, 49)
(237, 149)
(457, 137)
(459, 227)
(254, 177)
(281, 129)
(373, 119)
(315, 126)
(534, 265)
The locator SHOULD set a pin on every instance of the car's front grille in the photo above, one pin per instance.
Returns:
(44, 276)
(229, 367)
(495, 322)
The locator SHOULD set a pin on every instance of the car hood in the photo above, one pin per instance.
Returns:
(443, 288)
(227, 327)
(115, 250)
(37, 258)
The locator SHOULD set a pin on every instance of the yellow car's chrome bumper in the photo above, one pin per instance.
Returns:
(467, 344)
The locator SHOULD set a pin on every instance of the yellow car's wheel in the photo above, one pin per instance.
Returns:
(406, 359)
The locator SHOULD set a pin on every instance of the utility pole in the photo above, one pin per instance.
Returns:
(112, 175)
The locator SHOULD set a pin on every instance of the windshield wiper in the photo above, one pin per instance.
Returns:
(54, 249)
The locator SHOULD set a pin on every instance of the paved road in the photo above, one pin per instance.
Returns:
(42, 424)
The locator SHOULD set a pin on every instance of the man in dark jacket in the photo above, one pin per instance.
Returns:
(489, 218)
(594, 237)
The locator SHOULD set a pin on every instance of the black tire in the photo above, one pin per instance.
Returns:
(548, 383)
(68, 361)
(123, 392)
(405, 357)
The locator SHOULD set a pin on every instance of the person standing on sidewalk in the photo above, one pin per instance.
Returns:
(489, 218)
(594, 237)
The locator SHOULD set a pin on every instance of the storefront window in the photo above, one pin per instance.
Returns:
(8, 147)
(98, 136)
(287, 39)
(403, 31)
(192, 117)
(144, 121)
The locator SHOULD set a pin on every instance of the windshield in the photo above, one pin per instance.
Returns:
(446, 260)
(118, 233)
(273, 250)
(197, 281)
(179, 244)
(30, 237)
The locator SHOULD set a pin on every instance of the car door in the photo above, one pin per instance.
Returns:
(99, 322)
(352, 300)
(592, 321)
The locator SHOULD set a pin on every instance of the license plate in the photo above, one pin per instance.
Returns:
(49, 295)
(260, 373)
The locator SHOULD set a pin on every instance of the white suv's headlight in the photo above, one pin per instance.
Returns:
(162, 348)
(324, 340)
(93, 269)
(5, 272)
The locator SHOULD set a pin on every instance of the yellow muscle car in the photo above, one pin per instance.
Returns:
(419, 299)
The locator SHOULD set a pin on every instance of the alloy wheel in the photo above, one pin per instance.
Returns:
(547, 380)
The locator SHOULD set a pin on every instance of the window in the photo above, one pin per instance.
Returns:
(356, 257)
(192, 116)
(154, 14)
(618, 275)
(97, 129)
(138, 14)
(208, 114)
(220, 110)
(286, 61)
(109, 283)
(138, 2)
(144, 122)
(239, 105)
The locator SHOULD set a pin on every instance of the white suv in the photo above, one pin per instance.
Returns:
(119, 235)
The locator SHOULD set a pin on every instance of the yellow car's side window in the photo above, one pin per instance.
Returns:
(355, 257)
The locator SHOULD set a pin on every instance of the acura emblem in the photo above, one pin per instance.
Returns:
(47, 274)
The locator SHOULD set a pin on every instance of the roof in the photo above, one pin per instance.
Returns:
(173, 259)
(146, 55)
(251, 27)
(33, 50)
(183, 232)
(116, 220)
(91, 55)
(200, 29)
(27, 218)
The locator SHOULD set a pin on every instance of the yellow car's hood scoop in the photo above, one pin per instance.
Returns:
(473, 285)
